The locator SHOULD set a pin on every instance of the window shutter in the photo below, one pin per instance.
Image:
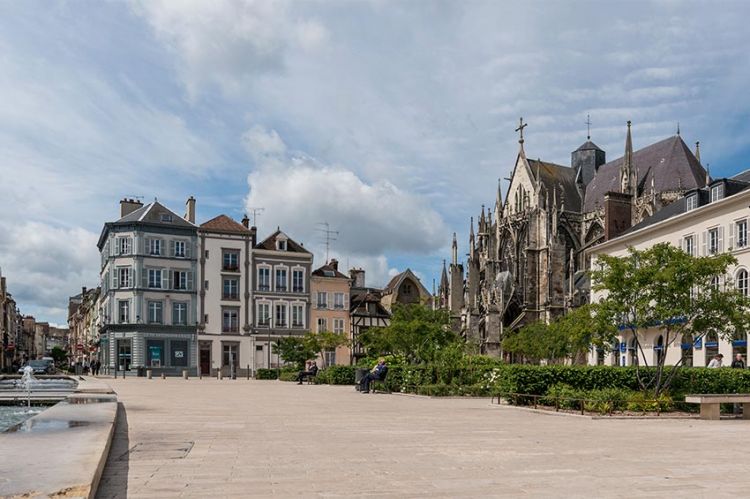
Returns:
(114, 279)
(165, 279)
(188, 245)
(732, 226)
(703, 244)
(141, 241)
(144, 278)
(147, 249)
(329, 300)
(163, 247)
(720, 246)
(346, 301)
(171, 247)
(190, 281)
(117, 246)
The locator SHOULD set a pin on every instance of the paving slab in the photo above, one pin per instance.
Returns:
(240, 438)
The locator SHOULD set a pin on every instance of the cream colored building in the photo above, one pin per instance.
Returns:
(330, 309)
(705, 221)
(225, 311)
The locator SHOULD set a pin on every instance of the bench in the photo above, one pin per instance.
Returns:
(711, 403)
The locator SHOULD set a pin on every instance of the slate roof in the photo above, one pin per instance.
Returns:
(152, 213)
(328, 271)
(223, 223)
(670, 162)
(396, 281)
(359, 300)
(560, 178)
(269, 243)
(589, 146)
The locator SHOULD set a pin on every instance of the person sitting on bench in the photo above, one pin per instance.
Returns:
(376, 374)
(309, 372)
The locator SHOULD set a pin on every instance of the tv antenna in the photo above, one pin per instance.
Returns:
(137, 198)
(255, 212)
(330, 235)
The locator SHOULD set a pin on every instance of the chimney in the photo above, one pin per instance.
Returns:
(190, 210)
(358, 278)
(128, 206)
(246, 221)
(334, 264)
(618, 214)
(253, 236)
(83, 291)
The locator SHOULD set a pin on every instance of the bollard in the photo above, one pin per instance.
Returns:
(123, 374)
(149, 373)
(163, 376)
(219, 374)
(248, 371)
(184, 374)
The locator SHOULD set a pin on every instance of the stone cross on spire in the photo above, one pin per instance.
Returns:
(588, 127)
(521, 126)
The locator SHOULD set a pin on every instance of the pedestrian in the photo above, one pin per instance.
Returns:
(738, 363)
(716, 361)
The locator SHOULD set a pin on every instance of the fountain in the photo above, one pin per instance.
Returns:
(26, 380)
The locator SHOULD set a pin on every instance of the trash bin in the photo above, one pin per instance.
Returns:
(359, 374)
(141, 371)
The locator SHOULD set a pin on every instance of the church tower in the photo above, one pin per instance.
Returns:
(628, 180)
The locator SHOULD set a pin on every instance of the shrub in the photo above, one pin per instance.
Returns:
(336, 375)
(644, 402)
(289, 375)
(266, 374)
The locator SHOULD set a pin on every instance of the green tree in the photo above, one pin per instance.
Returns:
(416, 332)
(322, 341)
(59, 355)
(665, 289)
(295, 350)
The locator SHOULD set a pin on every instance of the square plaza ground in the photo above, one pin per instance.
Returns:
(210, 438)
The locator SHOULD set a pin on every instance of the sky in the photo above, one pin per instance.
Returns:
(390, 121)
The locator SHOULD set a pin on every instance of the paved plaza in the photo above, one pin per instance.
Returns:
(210, 438)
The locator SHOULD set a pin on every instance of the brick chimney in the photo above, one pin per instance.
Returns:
(128, 206)
(358, 278)
(190, 210)
(246, 221)
(618, 213)
(253, 236)
(334, 264)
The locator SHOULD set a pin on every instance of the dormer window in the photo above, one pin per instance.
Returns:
(281, 245)
(692, 202)
(166, 217)
(717, 192)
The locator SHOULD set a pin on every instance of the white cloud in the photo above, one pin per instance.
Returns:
(44, 265)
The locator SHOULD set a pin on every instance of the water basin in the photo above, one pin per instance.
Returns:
(12, 415)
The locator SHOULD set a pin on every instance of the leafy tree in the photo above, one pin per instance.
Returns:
(665, 289)
(294, 349)
(324, 340)
(416, 332)
(567, 337)
(59, 355)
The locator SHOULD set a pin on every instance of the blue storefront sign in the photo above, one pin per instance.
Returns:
(623, 347)
(698, 343)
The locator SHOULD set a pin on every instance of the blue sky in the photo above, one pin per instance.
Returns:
(392, 121)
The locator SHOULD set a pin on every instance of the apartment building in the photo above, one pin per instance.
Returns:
(225, 311)
(330, 311)
(280, 294)
(83, 327)
(148, 304)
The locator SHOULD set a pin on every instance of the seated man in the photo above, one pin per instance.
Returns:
(376, 374)
(310, 371)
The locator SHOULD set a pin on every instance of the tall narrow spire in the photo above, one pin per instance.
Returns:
(454, 250)
(626, 170)
(698, 151)
(444, 280)
(471, 229)
(471, 240)
(499, 199)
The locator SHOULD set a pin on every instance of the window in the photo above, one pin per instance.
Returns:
(179, 249)
(297, 315)
(280, 315)
(692, 202)
(713, 241)
(123, 311)
(281, 245)
(179, 351)
(154, 247)
(298, 281)
(742, 282)
(230, 355)
(690, 245)
(322, 299)
(338, 326)
(329, 357)
(230, 322)
(715, 282)
(741, 231)
(264, 315)
(338, 300)
(231, 289)
(230, 261)
(322, 324)
(154, 278)
(154, 353)
(180, 279)
(155, 312)
(124, 245)
(166, 217)
(179, 314)
(717, 192)
(124, 277)
(280, 279)
(264, 279)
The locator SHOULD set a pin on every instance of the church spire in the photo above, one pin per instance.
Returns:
(626, 170)
(698, 151)
(521, 126)
(471, 239)
(454, 250)
(444, 281)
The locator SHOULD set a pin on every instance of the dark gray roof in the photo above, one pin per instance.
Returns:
(152, 213)
(561, 179)
(670, 162)
(589, 146)
(292, 246)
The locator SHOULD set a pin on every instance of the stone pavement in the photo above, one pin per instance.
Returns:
(210, 438)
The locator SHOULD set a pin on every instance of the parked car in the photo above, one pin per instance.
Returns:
(40, 367)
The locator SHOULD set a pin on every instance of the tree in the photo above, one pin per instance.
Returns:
(294, 349)
(322, 341)
(567, 337)
(416, 333)
(59, 355)
(665, 289)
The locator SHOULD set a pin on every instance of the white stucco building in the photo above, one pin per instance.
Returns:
(705, 221)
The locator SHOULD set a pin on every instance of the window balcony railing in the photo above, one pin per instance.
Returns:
(264, 287)
(298, 289)
(322, 305)
(230, 296)
(230, 329)
(230, 267)
(339, 306)
(280, 323)
(298, 325)
(264, 323)
(280, 288)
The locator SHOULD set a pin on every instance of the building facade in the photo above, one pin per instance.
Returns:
(148, 293)
(330, 291)
(280, 294)
(225, 297)
(706, 221)
(83, 327)
(405, 288)
(366, 311)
